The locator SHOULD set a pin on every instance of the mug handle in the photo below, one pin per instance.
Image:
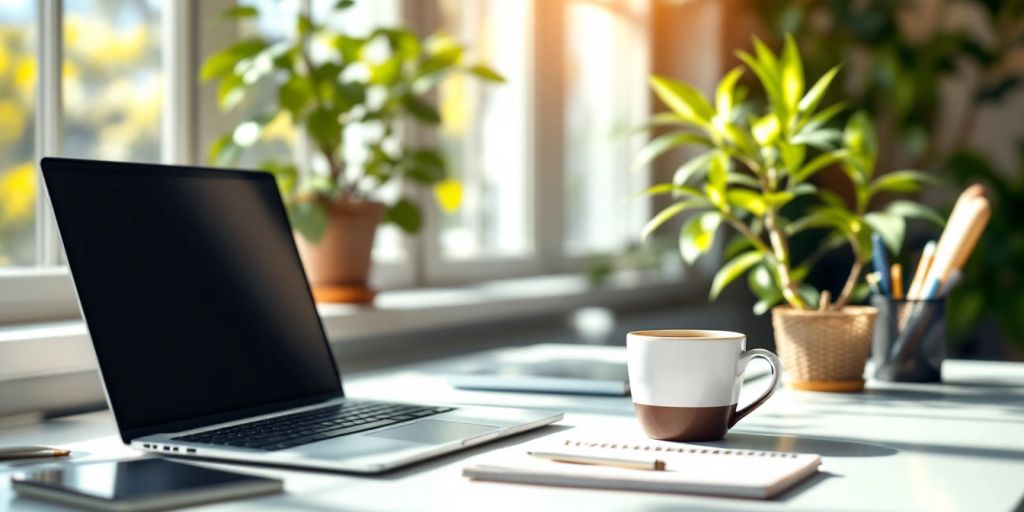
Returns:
(741, 366)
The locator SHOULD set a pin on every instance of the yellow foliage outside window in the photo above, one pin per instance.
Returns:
(17, 195)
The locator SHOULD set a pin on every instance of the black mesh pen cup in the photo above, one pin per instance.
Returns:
(910, 339)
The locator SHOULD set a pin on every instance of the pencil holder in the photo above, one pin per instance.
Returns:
(910, 339)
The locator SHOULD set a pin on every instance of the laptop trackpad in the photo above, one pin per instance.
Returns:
(435, 432)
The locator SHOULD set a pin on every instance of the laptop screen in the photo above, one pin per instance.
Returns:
(192, 289)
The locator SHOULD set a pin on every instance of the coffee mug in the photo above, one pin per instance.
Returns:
(686, 383)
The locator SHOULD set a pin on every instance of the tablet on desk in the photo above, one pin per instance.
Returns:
(138, 485)
(555, 376)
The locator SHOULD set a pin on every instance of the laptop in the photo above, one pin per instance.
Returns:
(207, 338)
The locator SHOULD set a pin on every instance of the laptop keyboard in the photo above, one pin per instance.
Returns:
(281, 432)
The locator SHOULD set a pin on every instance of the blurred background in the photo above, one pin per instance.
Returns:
(545, 158)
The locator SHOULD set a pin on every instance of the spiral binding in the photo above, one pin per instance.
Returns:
(676, 449)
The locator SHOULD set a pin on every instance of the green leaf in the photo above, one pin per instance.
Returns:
(698, 235)
(663, 216)
(813, 97)
(859, 138)
(309, 218)
(387, 72)
(349, 47)
(889, 226)
(823, 139)
(224, 152)
(738, 178)
(718, 172)
(725, 94)
(230, 92)
(304, 25)
(683, 99)
(294, 95)
(325, 128)
(344, 4)
(767, 129)
(736, 245)
(665, 142)
(779, 199)
(671, 188)
(764, 305)
(691, 168)
(425, 166)
(222, 63)
(762, 282)
(239, 12)
(406, 215)
(818, 163)
(792, 155)
(910, 209)
(285, 174)
(900, 181)
(659, 119)
(824, 116)
(420, 109)
(792, 75)
(486, 73)
(733, 269)
(748, 200)
(804, 189)
(767, 79)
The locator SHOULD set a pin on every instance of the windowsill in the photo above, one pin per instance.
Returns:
(52, 348)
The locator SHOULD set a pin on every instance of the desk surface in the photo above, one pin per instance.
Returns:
(955, 446)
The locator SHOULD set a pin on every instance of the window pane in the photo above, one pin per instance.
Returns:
(484, 132)
(279, 141)
(606, 58)
(18, 182)
(113, 85)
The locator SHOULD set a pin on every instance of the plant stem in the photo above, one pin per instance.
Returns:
(851, 282)
(781, 249)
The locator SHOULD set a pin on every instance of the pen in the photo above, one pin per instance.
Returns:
(872, 279)
(921, 273)
(30, 452)
(647, 464)
(881, 262)
(954, 279)
(897, 281)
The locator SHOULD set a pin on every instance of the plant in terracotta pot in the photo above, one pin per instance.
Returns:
(327, 83)
(755, 164)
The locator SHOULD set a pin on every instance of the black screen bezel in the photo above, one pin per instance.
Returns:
(54, 164)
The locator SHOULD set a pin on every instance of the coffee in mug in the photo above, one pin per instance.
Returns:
(686, 383)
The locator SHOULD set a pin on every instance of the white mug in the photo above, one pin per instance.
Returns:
(686, 383)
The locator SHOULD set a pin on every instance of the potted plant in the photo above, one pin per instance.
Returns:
(325, 82)
(753, 166)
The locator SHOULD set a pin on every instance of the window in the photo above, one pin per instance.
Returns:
(605, 57)
(112, 80)
(543, 159)
(18, 182)
(485, 134)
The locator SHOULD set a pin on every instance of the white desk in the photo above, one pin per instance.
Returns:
(956, 446)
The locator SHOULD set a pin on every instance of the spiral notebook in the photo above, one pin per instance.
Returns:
(689, 468)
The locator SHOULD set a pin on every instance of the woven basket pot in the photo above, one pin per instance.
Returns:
(824, 350)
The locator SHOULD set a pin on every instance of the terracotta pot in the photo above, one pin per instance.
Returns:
(824, 350)
(338, 265)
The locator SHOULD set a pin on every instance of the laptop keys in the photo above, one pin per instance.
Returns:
(311, 426)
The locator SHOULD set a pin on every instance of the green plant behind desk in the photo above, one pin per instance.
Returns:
(326, 81)
(753, 165)
(376, 81)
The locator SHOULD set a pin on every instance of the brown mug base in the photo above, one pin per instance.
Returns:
(685, 423)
